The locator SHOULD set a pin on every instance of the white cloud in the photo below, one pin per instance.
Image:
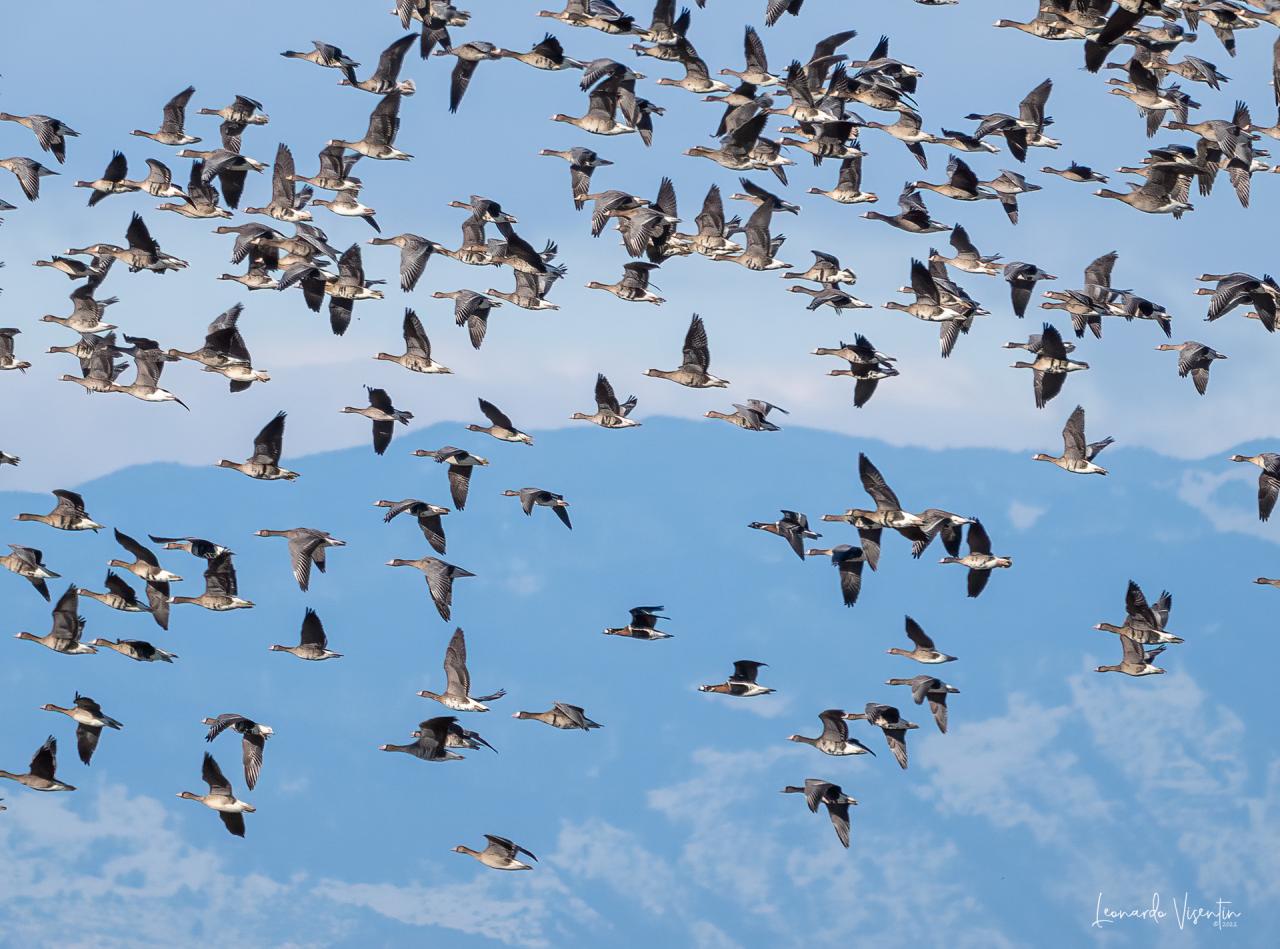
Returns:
(1024, 516)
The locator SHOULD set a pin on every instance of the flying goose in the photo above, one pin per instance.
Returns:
(1077, 454)
(743, 681)
(417, 348)
(935, 690)
(242, 112)
(328, 56)
(546, 54)
(220, 797)
(253, 739)
(64, 637)
(1022, 278)
(40, 774)
(384, 416)
(335, 171)
(695, 362)
(28, 562)
(500, 854)
(28, 171)
(1144, 622)
(531, 497)
(1194, 360)
(457, 691)
(432, 741)
(225, 352)
(439, 576)
(136, 649)
(313, 643)
(379, 139)
(560, 715)
(343, 288)
(501, 426)
(912, 217)
(144, 565)
(848, 189)
(817, 792)
(171, 131)
(470, 309)
(1135, 659)
(979, 559)
(427, 515)
(89, 719)
(386, 78)
(633, 287)
(119, 595)
(793, 527)
(609, 413)
(220, 588)
(643, 625)
(469, 56)
(834, 739)
(867, 366)
(753, 416)
(460, 462)
(888, 513)
(287, 203)
(923, 649)
(264, 463)
(307, 546)
(1268, 480)
(415, 251)
(890, 721)
(51, 134)
(67, 515)
(848, 561)
(1050, 367)
(113, 180)
(582, 162)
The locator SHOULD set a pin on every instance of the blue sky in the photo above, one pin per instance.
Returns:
(1053, 785)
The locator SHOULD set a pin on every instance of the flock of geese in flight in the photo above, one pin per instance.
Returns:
(816, 99)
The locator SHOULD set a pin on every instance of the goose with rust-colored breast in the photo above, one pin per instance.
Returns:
(439, 577)
(307, 546)
(643, 625)
(68, 626)
(834, 739)
(67, 515)
(89, 719)
(817, 791)
(41, 774)
(313, 643)
(457, 691)
(427, 516)
(793, 527)
(1077, 454)
(922, 646)
(743, 681)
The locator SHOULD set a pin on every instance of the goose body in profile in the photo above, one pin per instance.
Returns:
(500, 854)
(743, 681)
(1268, 480)
(384, 416)
(253, 736)
(752, 416)
(540, 497)
(609, 413)
(264, 463)
(457, 692)
(890, 721)
(1194, 360)
(313, 644)
(28, 563)
(68, 626)
(923, 648)
(834, 739)
(67, 515)
(439, 576)
(500, 427)
(696, 360)
(848, 561)
(432, 741)
(460, 462)
(931, 688)
(1077, 454)
(561, 715)
(417, 348)
(643, 625)
(793, 527)
(979, 559)
(41, 774)
(138, 650)
(817, 791)
(220, 798)
(307, 546)
(426, 514)
(89, 719)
